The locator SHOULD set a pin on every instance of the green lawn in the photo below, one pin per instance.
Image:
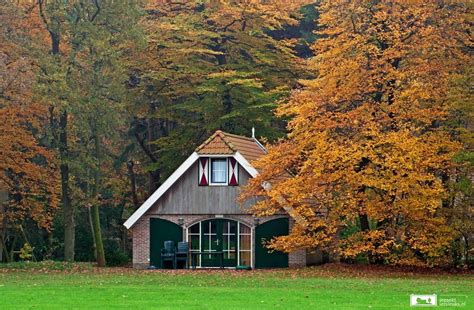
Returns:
(326, 287)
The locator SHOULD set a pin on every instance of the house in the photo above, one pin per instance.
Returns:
(198, 203)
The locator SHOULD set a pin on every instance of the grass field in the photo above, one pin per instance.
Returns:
(325, 287)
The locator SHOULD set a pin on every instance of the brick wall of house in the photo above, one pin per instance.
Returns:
(296, 258)
(141, 236)
(141, 243)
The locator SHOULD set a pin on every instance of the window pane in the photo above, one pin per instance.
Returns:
(229, 227)
(230, 255)
(245, 258)
(194, 229)
(232, 245)
(214, 243)
(233, 227)
(209, 244)
(218, 170)
(205, 244)
(229, 243)
(245, 242)
(194, 242)
(209, 227)
(244, 229)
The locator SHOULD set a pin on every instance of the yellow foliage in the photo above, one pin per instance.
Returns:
(366, 142)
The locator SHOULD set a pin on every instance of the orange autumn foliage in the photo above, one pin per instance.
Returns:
(27, 172)
(367, 150)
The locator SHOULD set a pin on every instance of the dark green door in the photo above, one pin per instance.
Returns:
(161, 231)
(265, 232)
(219, 235)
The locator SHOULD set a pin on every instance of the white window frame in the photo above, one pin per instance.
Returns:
(239, 235)
(252, 234)
(226, 183)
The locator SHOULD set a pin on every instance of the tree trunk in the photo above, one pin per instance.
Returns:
(89, 212)
(68, 208)
(11, 256)
(3, 228)
(226, 96)
(3, 247)
(99, 245)
(154, 176)
(3, 242)
(364, 222)
(5, 251)
(133, 184)
(55, 40)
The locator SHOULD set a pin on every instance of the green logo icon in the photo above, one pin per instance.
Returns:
(426, 300)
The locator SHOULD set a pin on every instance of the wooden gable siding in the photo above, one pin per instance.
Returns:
(186, 197)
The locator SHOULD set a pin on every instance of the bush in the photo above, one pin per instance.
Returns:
(117, 258)
(114, 255)
(26, 252)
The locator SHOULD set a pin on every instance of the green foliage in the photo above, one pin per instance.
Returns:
(202, 72)
(82, 80)
(465, 157)
(115, 255)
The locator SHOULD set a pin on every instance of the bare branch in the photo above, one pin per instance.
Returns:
(96, 3)
(41, 12)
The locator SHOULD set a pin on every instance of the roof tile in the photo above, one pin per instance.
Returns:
(222, 143)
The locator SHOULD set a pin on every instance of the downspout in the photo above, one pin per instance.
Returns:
(267, 186)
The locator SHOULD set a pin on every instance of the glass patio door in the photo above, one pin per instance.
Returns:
(219, 235)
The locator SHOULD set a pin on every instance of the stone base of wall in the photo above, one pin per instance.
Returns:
(141, 236)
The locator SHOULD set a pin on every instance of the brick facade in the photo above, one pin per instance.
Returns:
(297, 258)
(141, 236)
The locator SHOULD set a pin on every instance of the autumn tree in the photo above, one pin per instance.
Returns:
(363, 164)
(27, 168)
(458, 207)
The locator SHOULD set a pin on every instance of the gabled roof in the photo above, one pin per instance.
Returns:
(222, 143)
(243, 149)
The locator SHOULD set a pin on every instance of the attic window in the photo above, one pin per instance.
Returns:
(218, 171)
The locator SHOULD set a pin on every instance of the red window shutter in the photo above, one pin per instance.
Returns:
(203, 171)
(233, 172)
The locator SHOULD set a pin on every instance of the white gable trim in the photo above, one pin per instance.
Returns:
(174, 177)
(161, 190)
(244, 163)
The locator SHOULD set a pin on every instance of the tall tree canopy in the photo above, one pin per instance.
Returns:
(27, 167)
(82, 80)
(101, 100)
(364, 161)
(209, 65)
